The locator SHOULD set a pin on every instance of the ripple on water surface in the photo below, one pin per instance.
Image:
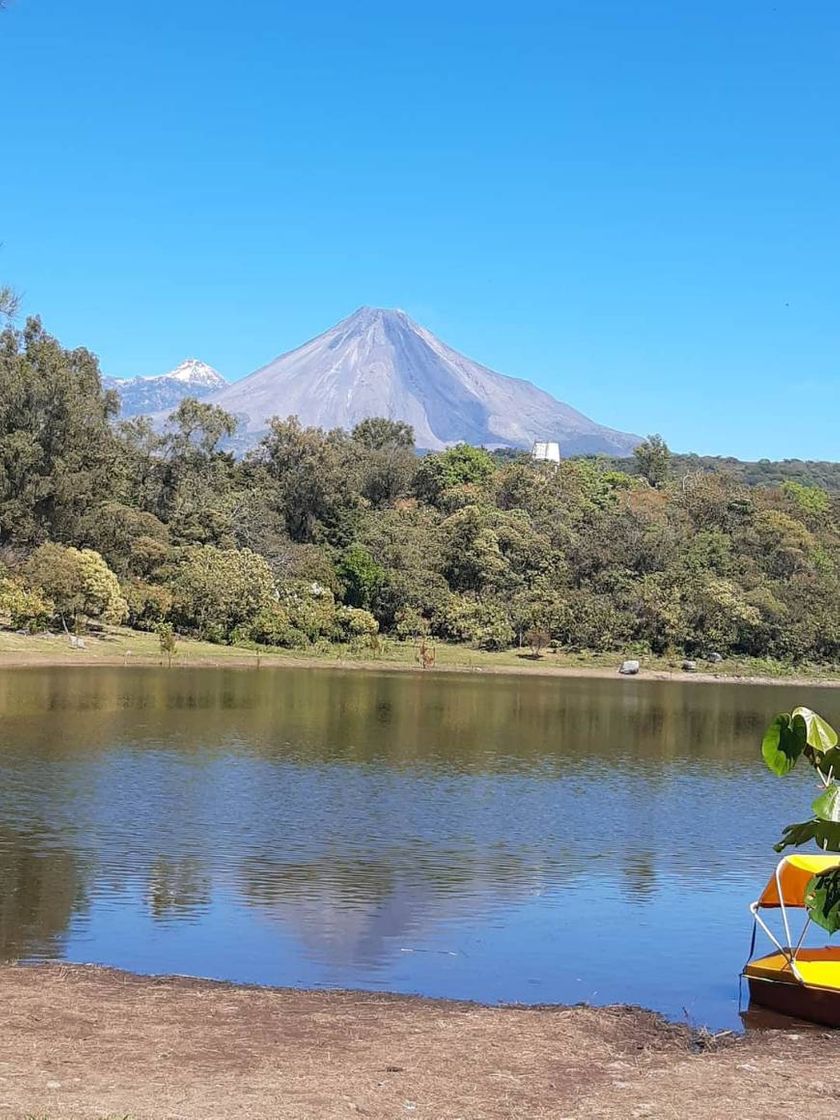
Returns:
(517, 838)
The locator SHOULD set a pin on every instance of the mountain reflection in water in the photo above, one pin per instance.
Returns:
(504, 838)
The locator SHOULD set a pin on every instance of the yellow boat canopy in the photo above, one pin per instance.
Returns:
(788, 883)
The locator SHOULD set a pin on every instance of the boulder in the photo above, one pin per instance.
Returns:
(689, 666)
(629, 668)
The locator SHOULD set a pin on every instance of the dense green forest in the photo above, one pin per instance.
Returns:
(332, 536)
(762, 472)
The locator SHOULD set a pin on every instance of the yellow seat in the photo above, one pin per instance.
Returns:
(818, 968)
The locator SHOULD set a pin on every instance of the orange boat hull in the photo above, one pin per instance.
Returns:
(815, 1005)
(812, 993)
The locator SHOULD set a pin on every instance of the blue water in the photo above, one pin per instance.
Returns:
(501, 839)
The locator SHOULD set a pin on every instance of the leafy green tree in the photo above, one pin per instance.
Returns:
(813, 501)
(130, 540)
(168, 640)
(458, 466)
(149, 604)
(78, 582)
(306, 472)
(354, 626)
(472, 558)
(273, 626)
(653, 459)
(377, 433)
(25, 608)
(384, 460)
(361, 576)
(57, 447)
(9, 302)
(216, 590)
(311, 609)
(195, 474)
(483, 623)
(410, 623)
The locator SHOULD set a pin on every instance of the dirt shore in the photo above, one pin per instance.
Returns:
(122, 648)
(82, 1042)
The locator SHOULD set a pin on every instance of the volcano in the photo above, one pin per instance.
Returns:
(379, 362)
(143, 395)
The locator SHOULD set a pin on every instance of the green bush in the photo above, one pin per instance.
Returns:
(25, 609)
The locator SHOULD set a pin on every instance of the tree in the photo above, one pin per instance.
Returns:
(385, 461)
(130, 540)
(802, 734)
(26, 609)
(361, 575)
(653, 460)
(537, 638)
(354, 626)
(458, 466)
(195, 474)
(149, 604)
(9, 302)
(168, 640)
(307, 473)
(57, 449)
(78, 581)
(380, 434)
(216, 590)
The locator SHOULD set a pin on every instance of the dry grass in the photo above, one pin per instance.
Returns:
(93, 1043)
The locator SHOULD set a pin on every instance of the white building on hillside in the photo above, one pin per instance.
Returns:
(546, 452)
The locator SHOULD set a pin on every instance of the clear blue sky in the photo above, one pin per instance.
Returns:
(634, 203)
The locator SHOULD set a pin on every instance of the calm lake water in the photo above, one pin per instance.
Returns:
(490, 838)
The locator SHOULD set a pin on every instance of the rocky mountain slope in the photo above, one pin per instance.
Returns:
(140, 395)
(379, 362)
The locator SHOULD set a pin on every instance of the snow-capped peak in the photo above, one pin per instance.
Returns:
(146, 395)
(194, 372)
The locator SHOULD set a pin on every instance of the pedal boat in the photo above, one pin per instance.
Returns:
(793, 980)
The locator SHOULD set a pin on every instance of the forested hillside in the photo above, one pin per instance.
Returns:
(332, 536)
(762, 472)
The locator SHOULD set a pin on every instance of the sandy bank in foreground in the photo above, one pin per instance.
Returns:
(86, 1042)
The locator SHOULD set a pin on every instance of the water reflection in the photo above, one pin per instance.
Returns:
(505, 838)
(42, 889)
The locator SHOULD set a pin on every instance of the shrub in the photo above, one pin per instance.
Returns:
(148, 603)
(26, 609)
(78, 581)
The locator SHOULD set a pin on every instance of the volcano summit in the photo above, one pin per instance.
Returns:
(379, 362)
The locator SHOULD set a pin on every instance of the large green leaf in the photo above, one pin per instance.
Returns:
(827, 805)
(783, 743)
(819, 734)
(826, 835)
(828, 763)
(822, 897)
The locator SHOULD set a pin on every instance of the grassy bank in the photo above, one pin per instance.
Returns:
(120, 646)
(83, 1042)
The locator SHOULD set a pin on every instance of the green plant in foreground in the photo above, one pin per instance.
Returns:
(804, 734)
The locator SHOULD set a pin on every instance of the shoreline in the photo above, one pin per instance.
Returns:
(83, 1041)
(226, 657)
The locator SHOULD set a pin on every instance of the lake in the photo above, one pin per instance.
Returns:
(494, 838)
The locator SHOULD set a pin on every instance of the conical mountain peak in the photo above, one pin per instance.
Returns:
(379, 362)
(364, 317)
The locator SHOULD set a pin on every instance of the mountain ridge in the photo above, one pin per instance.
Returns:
(143, 395)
